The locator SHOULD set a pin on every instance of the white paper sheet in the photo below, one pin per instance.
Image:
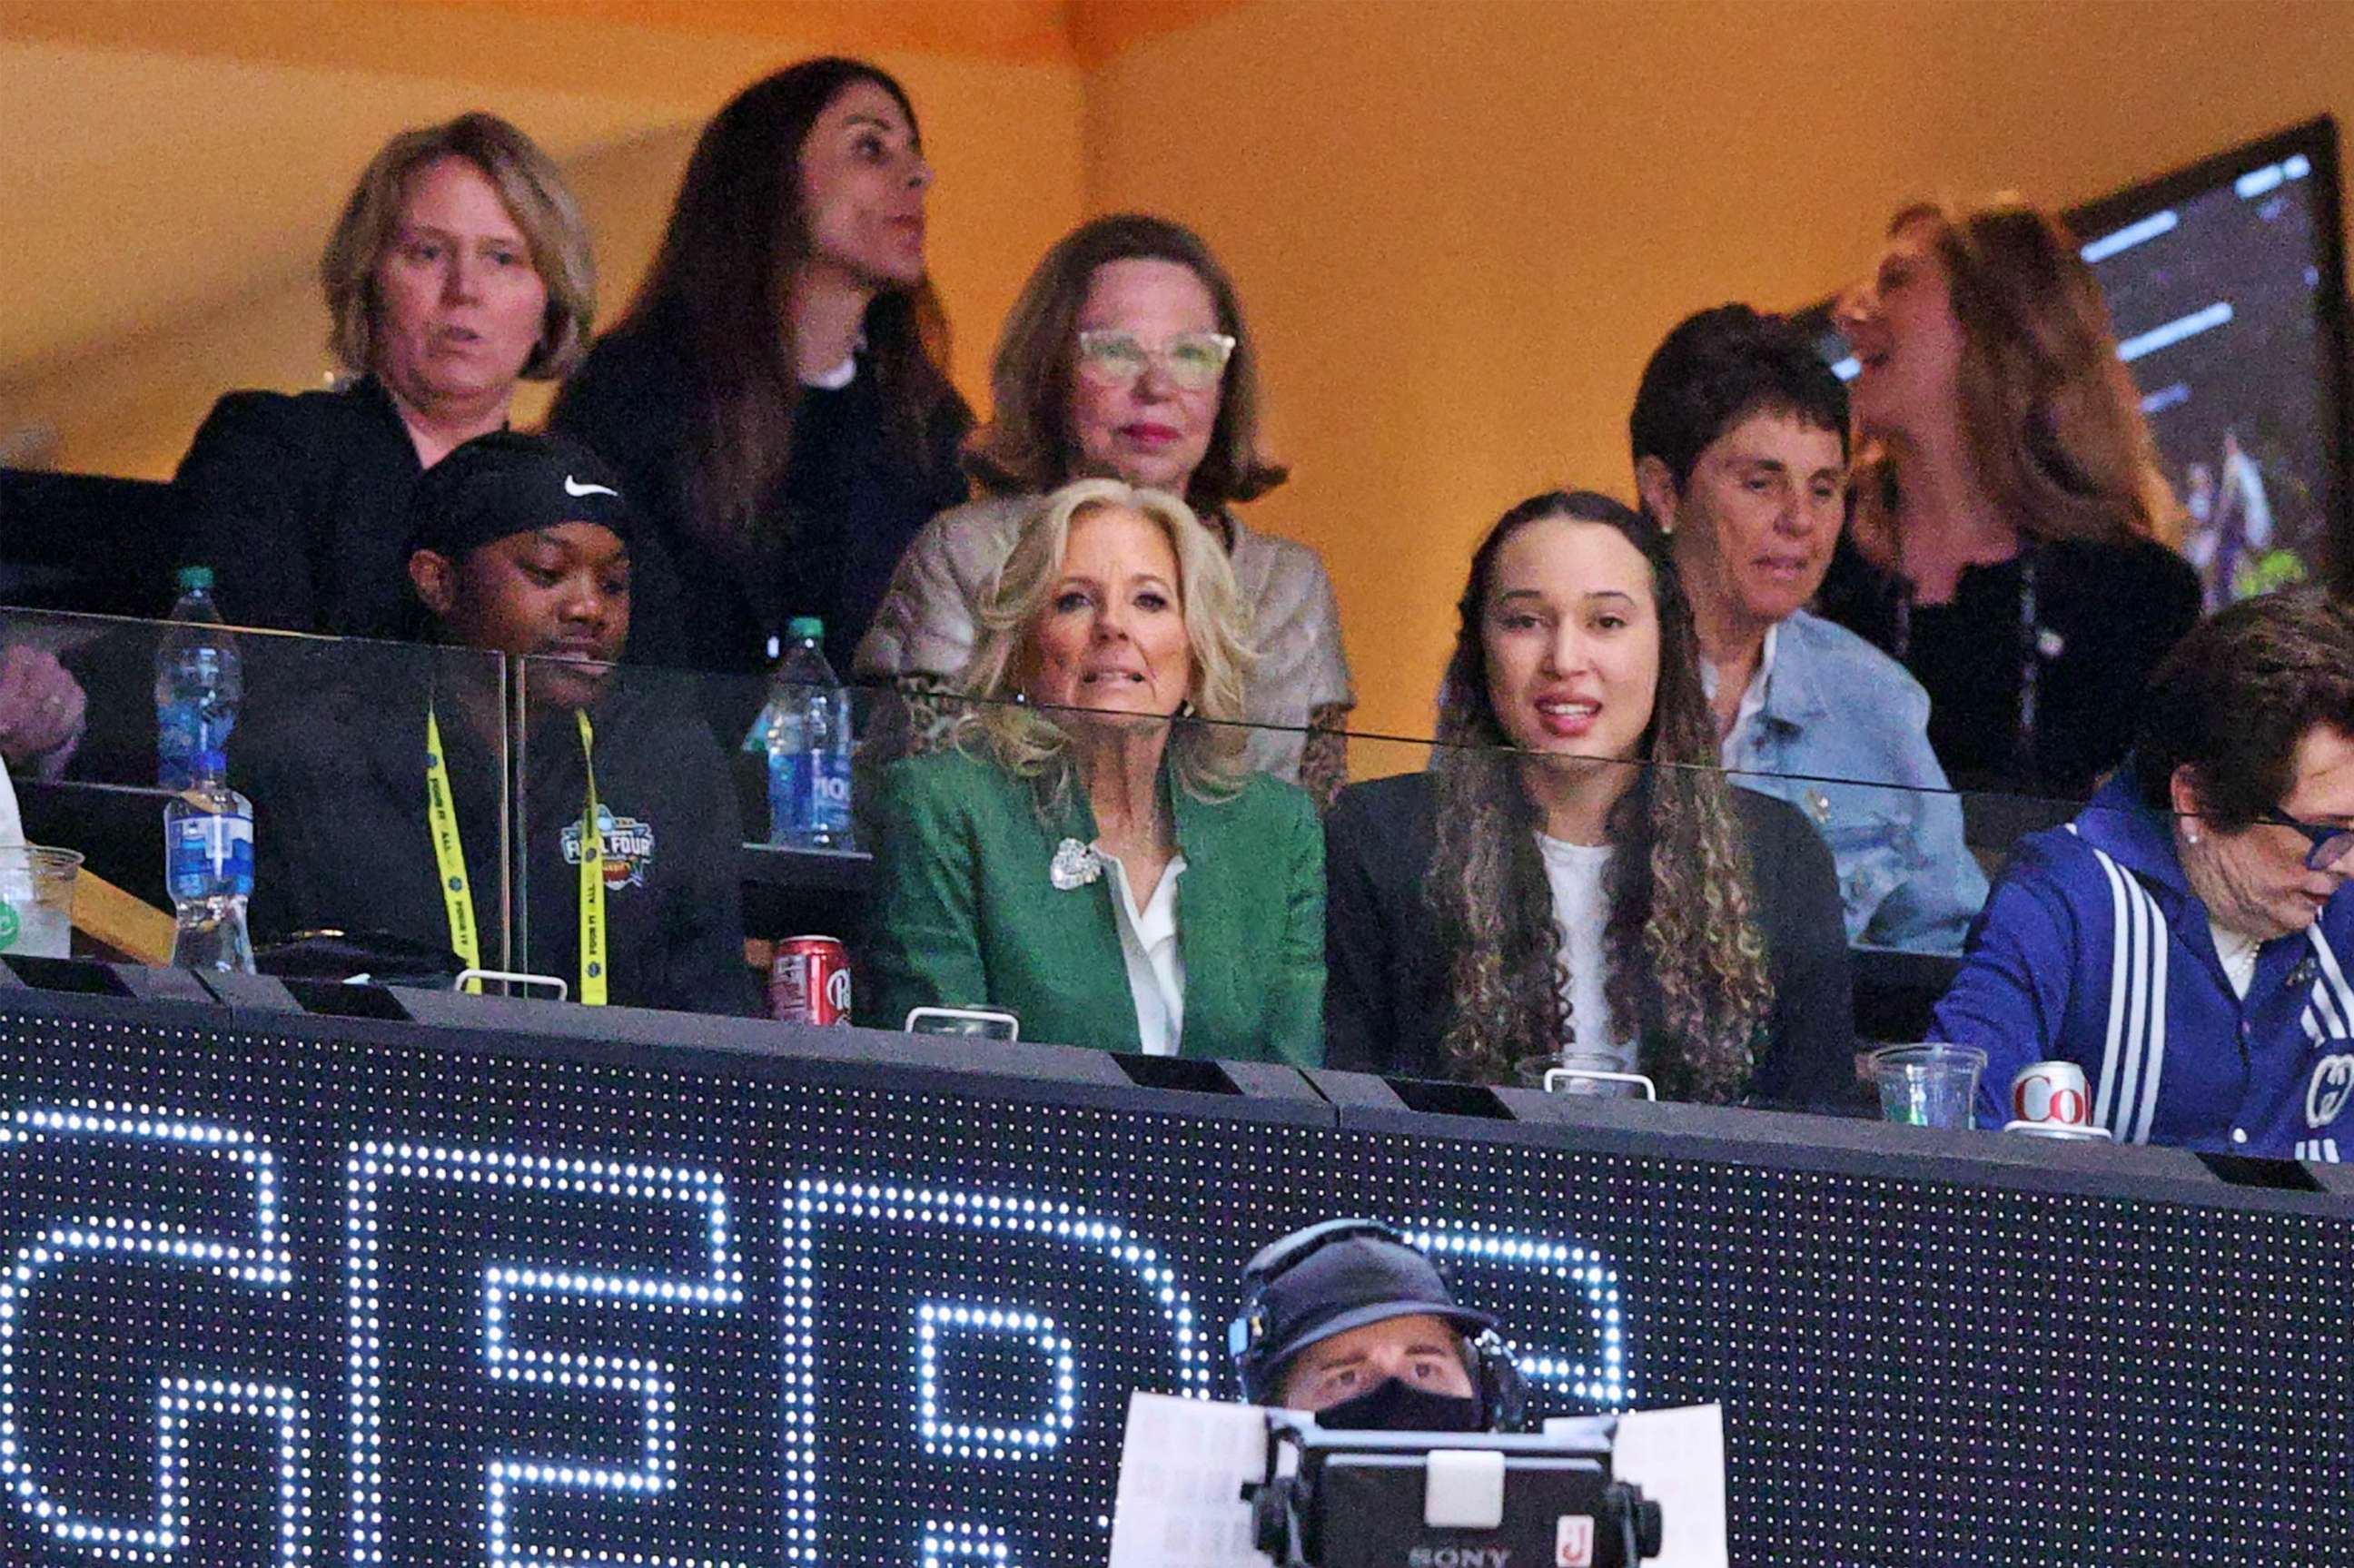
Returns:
(1677, 1457)
(1181, 1474)
(12, 826)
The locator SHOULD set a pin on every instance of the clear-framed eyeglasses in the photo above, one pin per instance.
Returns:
(2330, 843)
(1191, 361)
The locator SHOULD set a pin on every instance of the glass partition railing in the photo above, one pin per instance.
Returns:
(325, 739)
(1476, 913)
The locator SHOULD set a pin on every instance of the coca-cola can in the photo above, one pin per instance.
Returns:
(809, 981)
(2051, 1094)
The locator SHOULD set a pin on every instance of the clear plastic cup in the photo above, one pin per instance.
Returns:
(1935, 1084)
(37, 893)
(1582, 1073)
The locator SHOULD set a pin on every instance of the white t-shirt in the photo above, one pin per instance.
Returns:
(1580, 907)
(1156, 965)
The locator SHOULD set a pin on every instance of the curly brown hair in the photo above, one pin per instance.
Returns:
(1687, 958)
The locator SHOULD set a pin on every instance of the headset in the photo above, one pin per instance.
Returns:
(1502, 1391)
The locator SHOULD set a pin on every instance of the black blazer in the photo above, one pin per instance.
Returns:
(300, 507)
(1385, 1007)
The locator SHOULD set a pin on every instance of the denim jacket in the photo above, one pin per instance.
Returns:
(1838, 708)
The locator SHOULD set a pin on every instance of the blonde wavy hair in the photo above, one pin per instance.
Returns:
(1207, 749)
(1687, 967)
(533, 190)
(2051, 415)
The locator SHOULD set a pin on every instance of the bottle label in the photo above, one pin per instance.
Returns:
(809, 794)
(185, 730)
(210, 857)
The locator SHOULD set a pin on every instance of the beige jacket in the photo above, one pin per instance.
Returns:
(924, 624)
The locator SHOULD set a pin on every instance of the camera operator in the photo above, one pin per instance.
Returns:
(1345, 1321)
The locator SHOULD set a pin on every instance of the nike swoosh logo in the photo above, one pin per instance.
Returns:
(575, 489)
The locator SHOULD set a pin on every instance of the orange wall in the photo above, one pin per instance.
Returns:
(186, 159)
(1460, 225)
(1460, 229)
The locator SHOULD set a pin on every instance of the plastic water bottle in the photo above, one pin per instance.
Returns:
(808, 746)
(200, 680)
(209, 867)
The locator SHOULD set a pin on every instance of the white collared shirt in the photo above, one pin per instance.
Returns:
(1156, 964)
(1753, 699)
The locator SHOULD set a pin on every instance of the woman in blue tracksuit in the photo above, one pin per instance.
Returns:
(2188, 941)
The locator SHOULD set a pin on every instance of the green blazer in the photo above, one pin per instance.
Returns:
(966, 915)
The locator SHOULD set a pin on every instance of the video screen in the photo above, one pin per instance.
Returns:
(2218, 294)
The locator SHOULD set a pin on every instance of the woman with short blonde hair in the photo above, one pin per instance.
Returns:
(1034, 863)
(2008, 509)
(1207, 755)
(532, 189)
(460, 267)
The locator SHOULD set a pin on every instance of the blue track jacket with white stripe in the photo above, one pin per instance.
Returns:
(2094, 949)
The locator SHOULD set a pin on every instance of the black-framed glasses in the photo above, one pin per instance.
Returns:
(2330, 843)
(1192, 360)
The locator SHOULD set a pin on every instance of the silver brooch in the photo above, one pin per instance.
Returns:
(1075, 866)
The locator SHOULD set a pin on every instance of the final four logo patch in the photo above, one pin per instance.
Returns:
(628, 847)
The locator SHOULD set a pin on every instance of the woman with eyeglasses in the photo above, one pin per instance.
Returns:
(774, 398)
(1125, 358)
(2188, 941)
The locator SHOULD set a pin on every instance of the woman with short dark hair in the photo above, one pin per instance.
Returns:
(2008, 509)
(1128, 355)
(2185, 939)
(1571, 881)
(461, 266)
(775, 396)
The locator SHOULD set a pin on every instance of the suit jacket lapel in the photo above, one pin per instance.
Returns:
(1088, 921)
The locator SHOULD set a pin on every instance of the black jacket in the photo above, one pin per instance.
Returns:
(2108, 614)
(1386, 1001)
(341, 836)
(848, 503)
(300, 505)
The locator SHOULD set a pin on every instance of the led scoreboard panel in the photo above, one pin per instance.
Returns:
(330, 1291)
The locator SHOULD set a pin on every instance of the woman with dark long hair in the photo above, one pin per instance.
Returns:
(774, 397)
(2008, 510)
(1572, 880)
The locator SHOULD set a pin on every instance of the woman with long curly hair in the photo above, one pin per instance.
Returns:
(1572, 879)
(2008, 509)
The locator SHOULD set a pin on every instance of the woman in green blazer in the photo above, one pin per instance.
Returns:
(1092, 853)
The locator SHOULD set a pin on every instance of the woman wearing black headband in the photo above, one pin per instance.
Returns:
(382, 800)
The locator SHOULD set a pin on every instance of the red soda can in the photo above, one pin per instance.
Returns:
(809, 981)
(2051, 1094)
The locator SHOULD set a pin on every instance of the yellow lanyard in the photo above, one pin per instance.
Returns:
(449, 858)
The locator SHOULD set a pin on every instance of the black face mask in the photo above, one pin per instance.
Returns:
(1396, 1405)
